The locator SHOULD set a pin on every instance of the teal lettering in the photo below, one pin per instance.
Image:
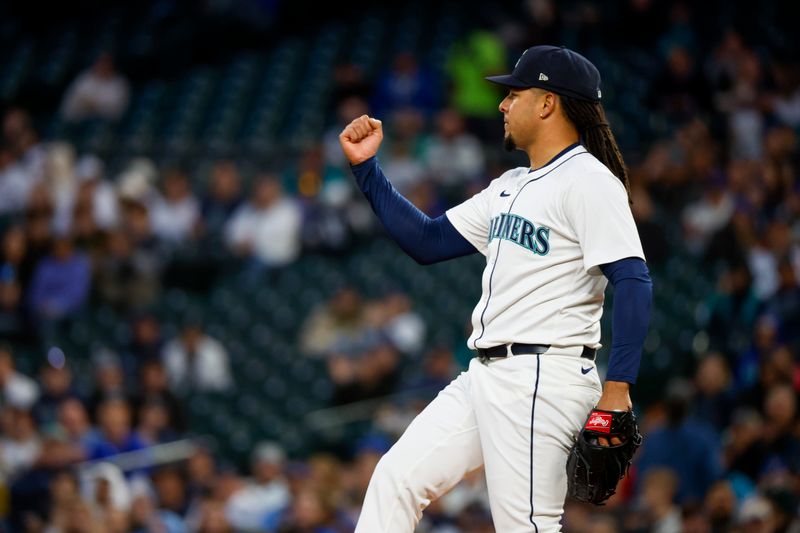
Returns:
(527, 235)
(515, 229)
(521, 232)
(542, 241)
(506, 227)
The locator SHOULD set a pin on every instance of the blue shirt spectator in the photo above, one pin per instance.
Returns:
(116, 436)
(60, 282)
(688, 448)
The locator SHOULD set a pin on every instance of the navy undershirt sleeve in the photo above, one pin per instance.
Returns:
(633, 296)
(425, 239)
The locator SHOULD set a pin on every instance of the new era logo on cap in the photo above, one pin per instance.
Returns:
(543, 77)
(600, 422)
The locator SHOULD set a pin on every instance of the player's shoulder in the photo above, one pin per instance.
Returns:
(508, 177)
(587, 171)
(512, 174)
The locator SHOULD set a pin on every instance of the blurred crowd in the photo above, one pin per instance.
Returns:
(716, 183)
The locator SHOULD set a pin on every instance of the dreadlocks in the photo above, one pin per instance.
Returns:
(589, 119)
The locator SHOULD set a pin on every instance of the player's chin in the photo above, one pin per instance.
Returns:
(508, 143)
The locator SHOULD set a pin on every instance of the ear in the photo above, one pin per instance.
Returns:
(547, 105)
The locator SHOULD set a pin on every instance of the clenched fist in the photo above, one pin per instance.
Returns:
(361, 138)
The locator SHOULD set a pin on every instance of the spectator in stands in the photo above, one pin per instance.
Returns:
(438, 370)
(21, 137)
(153, 387)
(347, 110)
(175, 215)
(453, 157)
(349, 82)
(755, 367)
(13, 323)
(325, 194)
(90, 171)
(785, 304)
(733, 309)
(18, 390)
(720, 505)
(313, 510)
(63, 495)
(406, 84)
(15, 256)
(785, 102)
(213, 518)
(109, 380)
(740, 101)
(146, 517)
(16, 265)
(99, 92)
(250, 507)
(776, 242)
(702, 219)
(127, 276)
(715, 399)
(85, 232)
(73, 421)
(202, 472)
(680, 92)
(15, 184)
(194, 361)
(170, 486)
(108, 495)
(223, 198)
(146, 342)
(372, 375)
(60, 283)
(154, 425)
(56, 388)
(116, 434)
(404, 328)
(783, 446)
(402, 160)
(659, 489)
(267, 228)
(39, 232)
(20, 445)
(481, 53)
(61, 183)
(338, 326)
(756, 515)
(698, 465)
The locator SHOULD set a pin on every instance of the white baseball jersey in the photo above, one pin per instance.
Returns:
(544, 233)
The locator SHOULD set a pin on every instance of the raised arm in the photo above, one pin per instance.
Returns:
(424, 239)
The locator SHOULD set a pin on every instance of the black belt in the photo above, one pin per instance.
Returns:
(519, 348)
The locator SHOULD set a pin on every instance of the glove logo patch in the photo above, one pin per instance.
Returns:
(600, 422)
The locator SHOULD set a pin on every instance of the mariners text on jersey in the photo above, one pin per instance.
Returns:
(521, 231)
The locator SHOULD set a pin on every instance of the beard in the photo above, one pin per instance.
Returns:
(508, 143)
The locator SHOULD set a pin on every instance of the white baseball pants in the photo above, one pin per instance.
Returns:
(516, 416)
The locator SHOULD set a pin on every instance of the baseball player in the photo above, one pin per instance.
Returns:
(554, 235)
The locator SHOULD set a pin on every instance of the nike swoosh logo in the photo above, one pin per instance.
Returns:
(586, 370)
(504, 194)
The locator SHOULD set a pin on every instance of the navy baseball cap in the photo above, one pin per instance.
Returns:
(554, 68)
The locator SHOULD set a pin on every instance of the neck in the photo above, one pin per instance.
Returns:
(546, 148)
